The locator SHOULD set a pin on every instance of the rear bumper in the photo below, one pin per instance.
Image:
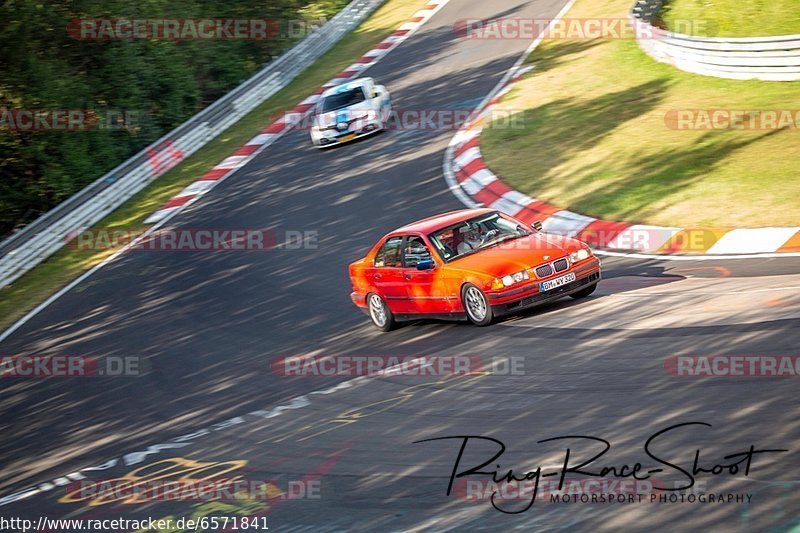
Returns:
(360, 299)
(524, 298)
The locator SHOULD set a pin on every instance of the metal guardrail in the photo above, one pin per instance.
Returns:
(774, 58)
(37, 241)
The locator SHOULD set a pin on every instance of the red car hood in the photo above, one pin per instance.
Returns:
(516, 255)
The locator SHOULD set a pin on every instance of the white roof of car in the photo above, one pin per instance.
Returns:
(360, 82)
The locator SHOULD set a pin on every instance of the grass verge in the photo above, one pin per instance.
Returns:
(65, 265)
(733, 18)
(593, 137)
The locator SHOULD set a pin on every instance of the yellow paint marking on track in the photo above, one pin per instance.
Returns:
(353, 415)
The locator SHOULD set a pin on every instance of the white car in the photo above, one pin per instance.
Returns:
(349, 111)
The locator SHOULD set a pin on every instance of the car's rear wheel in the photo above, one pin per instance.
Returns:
(380, 314)
(583, 293)
(477, 307)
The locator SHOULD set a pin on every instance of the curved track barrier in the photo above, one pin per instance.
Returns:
(37, 241)
(774, 58)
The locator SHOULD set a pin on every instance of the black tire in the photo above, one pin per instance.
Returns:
(583, 293)
(473, 300)
(389, 323)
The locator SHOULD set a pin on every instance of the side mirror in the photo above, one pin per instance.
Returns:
(537, 225)
(426, 264)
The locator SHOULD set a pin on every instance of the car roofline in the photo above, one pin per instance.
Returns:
(358, 82)
(414, 227)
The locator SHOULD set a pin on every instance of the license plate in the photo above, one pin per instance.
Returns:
(558, 282)
(345, 138)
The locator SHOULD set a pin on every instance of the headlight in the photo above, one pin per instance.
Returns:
(511, 279)
(580, 255)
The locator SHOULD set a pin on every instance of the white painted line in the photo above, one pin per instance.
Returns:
(466, 135)
(299, 402)
(467, 157)
(744, 245)
(471, 187)
(483, 177)
(233, 161)
(521, 72)
(757, 240)
(566, 223)
(694, 257)
(642, 238)
(504, 205)
(260, 139)
(512, 202)
(504, 91)
(459, 138)
(376, 52)
(197, 187)
(519, 198)
(263, 141)
(158, 216)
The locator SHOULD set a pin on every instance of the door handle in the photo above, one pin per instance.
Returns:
(409, 276)
(377, 276)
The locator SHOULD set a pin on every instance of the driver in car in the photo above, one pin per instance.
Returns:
(472, 241)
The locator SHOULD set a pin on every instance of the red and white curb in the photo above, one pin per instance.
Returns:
(249, 151)
(277, 129)
(477, 186)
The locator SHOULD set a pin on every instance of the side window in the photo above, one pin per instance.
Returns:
(415, 252)
(445, 243)
(389, 254)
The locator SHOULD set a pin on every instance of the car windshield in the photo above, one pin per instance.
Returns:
(476, 234)
(342, 100)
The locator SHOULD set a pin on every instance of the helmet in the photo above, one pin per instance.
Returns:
(473, 234)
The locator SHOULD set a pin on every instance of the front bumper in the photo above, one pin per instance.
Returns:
(527, 296)
(321, 141)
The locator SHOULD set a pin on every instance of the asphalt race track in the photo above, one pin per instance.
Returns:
(210, 324)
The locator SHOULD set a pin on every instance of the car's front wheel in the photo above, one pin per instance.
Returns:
(477, 307)
(380, 314)
(583, 293)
